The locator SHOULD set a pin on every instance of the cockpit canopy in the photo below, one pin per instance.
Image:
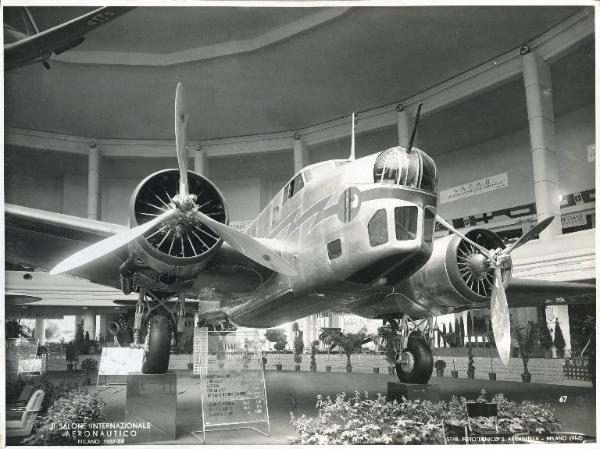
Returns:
(397, 166)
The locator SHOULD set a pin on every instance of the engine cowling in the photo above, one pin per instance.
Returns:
(457, 273)
(179, 248)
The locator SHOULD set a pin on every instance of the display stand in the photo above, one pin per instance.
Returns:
(36, 365)
(151, 400)
(232, 382)
(117, 363)
(424, 392)
(18, 351)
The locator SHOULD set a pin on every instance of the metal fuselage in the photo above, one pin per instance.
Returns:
(341, 231)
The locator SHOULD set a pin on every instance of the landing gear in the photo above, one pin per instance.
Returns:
(153, 314)
(157, 345)
(414, 361)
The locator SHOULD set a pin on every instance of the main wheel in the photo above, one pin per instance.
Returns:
(416, 362)
(157, 345)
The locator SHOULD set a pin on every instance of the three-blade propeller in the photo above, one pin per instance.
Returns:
(499, 259)
(183, 205)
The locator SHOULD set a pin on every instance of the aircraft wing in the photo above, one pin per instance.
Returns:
(42, 239)
(534, 292)
(59, 38)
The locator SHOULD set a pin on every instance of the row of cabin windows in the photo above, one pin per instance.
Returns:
(405, 224)
(405, 220)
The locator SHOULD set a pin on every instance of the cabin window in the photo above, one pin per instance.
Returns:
(378, 233)
(429, 224)
(275, 215)
(334, 249)
(406, 222)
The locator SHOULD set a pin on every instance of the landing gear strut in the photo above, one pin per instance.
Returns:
(414, 361)
(153, 314)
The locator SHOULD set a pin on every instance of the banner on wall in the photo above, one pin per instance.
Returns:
(473, 188)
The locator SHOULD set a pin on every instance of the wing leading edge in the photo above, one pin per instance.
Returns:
(59, 38)
(42, 239)
(534, 292)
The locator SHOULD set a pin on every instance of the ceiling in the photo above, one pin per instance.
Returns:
(257, 70)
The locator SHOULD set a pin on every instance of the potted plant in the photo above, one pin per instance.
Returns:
(298, 345)
(452, 339)
(389, 342)
(313, 355)
(527, 338)
(88, 366)
(559, 341)
(279, 340)
(350, 344)
(70, 355)
(439, 366)
(325, 338)
(471, 365)
(279, 347)
(546, 340)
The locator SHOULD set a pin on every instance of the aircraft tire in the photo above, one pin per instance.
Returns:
(157, 345)
(419, 370)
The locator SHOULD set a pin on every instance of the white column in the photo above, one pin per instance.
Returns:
(94, 157)
(40, 330)
(540, 113)
(403, 119)
(102, 327)
(200, 165)
(300, 153)
(89, 323)
(560, 313)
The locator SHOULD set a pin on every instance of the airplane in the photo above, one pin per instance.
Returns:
(348, 235)
(22, 49)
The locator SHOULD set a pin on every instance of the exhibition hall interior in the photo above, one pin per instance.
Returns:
(299, 225)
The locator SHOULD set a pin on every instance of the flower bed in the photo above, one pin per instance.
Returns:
(75, 407)
(359, 420)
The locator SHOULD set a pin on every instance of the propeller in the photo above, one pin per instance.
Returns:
(181, 124)
(247, 246)
(499, 259)
(106, 246)
(183, 207)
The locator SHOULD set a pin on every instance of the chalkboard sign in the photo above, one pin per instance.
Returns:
(232, 380)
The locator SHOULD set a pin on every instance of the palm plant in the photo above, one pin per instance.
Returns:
(527, 338)
(389, 343)
(350, 344)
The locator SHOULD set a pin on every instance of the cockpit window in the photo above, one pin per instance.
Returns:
(429, 176)
(293, 187)
(397, 166)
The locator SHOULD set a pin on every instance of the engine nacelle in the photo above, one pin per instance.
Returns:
(457, 273)
(178, 249)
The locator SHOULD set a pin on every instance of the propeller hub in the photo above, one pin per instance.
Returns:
(478, 264)
(185, 202)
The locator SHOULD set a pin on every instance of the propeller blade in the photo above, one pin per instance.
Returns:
(248, 246)
(450, 228)
(181, 123)
(110, 244)
(500, 317)
(531, 234)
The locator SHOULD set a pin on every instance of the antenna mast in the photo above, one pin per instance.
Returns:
(414, 130)
(352, 144)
